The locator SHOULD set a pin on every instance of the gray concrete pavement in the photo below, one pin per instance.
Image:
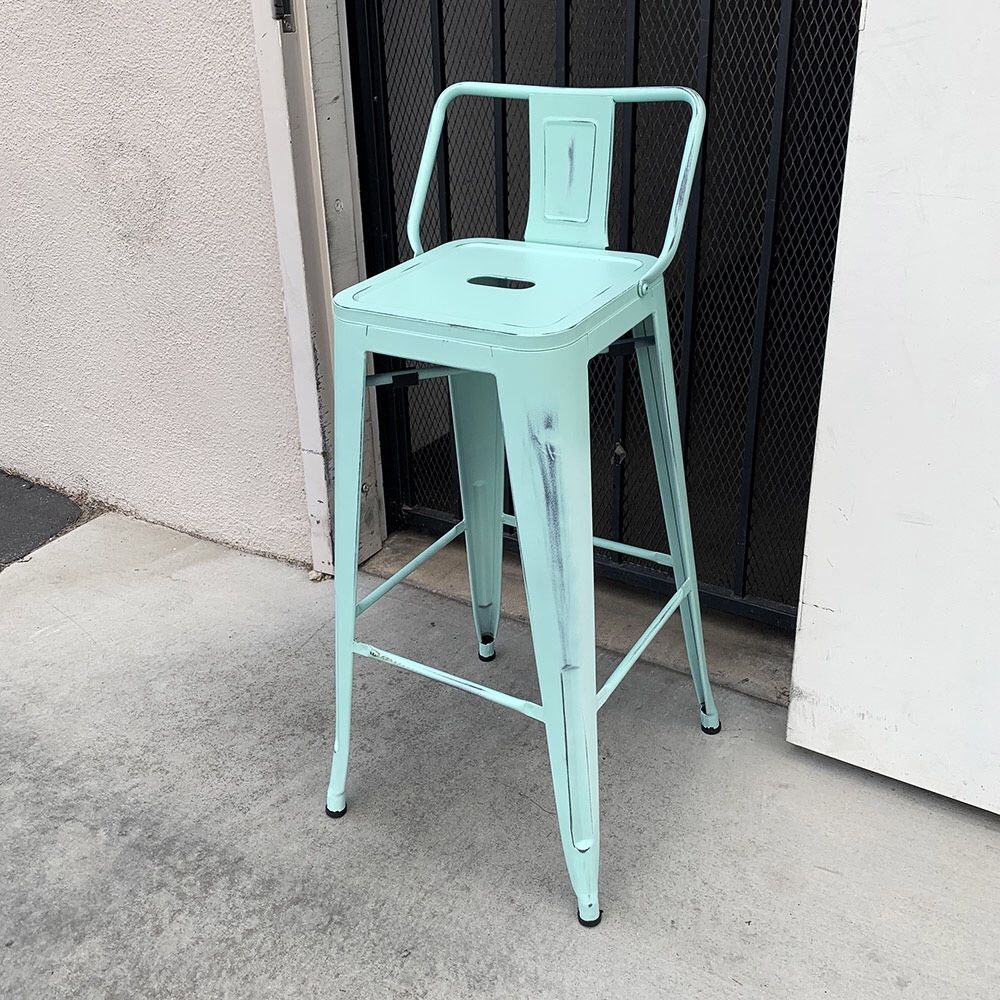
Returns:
(166, 708)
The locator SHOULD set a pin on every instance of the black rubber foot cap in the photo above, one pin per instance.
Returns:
(590, 923)
(712, 732)
(487, 640)
(335, 815)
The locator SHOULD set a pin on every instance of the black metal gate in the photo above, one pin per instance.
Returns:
(748, 293)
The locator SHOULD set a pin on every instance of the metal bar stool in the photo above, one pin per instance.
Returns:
(512, 326)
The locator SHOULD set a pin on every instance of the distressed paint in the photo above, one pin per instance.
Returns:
(568, 185)
(524, 344)
(588, 100)
(570, 169)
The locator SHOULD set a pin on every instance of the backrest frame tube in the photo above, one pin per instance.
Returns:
(621, 95)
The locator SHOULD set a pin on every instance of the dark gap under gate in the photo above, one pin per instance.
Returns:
(749, 291)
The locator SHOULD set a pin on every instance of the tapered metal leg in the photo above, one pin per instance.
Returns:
(547, 426)
(348, 406)
(480, 451)
(657, 376)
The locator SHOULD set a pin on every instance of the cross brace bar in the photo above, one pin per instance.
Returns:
(606, 543)
(528, 708)
(401, 574)
(630, 658)
(409, 376)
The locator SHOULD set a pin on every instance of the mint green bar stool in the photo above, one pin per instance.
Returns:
(512, 326)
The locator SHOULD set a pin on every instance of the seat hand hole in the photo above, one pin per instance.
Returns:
(495, 281)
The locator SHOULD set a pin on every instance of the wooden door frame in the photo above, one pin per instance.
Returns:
(288, 103)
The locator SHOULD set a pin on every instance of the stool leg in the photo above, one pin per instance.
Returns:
(657, 376)
(479, 448)
(348, 431)
(546, 420)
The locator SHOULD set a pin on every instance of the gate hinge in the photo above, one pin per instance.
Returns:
(281, 10)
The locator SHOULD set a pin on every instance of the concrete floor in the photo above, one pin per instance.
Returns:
(165, 742)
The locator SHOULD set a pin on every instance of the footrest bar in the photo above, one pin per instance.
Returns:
(528, 708)
(409, 376)
(618, 674)
(401, 574)
(662, 558)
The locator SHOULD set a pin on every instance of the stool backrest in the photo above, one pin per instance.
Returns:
(570, 169)
(571, 135)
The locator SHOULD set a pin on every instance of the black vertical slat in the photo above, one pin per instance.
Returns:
(500, 165)
(618, 458)
(628, 122)
(627, 199)
(378, 214)
(694, 225)
(437, 46)
(763, 279)
(500, 119)
(394, 443)
(366, 39)
(388, 144)
(562, 43)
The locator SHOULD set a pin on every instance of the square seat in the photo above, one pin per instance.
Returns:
(501, 286)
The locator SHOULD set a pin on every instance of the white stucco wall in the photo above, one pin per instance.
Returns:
(897, 660)
(144, 356)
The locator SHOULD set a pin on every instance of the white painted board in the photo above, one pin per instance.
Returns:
(897, 659)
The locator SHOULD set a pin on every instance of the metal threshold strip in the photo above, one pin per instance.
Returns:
(528, 708)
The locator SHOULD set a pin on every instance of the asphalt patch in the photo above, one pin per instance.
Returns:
(30, 515)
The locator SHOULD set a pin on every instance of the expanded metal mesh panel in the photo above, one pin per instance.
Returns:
(821, 79)
(642, 517)
(530, 44)
(410, 95)
(731, 50)
(737, 143)
(669, 40)
(433, 472)
(594, 63)
(602, 443)
(468, 45)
